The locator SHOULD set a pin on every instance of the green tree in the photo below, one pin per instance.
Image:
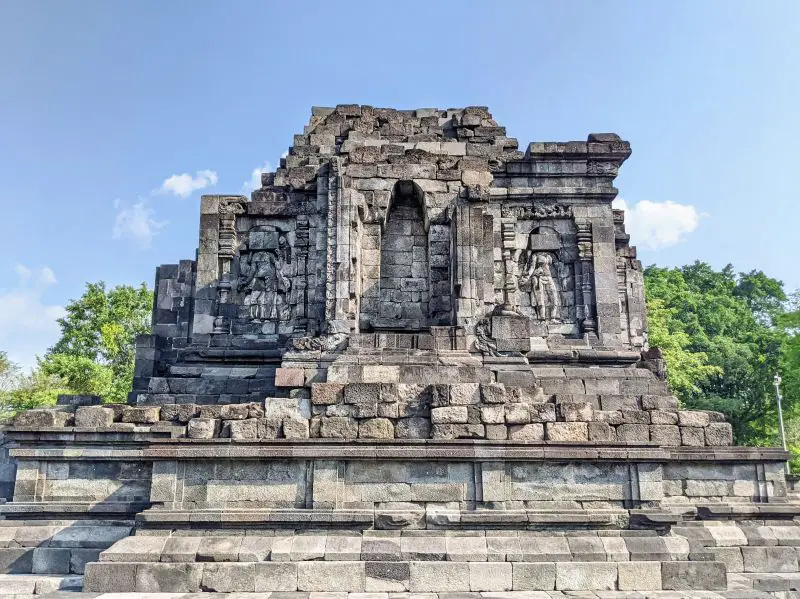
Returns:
(95, 353)
(721, 341)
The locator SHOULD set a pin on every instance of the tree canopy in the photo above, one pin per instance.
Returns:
(95, 353)
(725, 336)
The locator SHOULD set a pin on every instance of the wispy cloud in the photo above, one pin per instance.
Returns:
(184, 185)
(136, 223)
(657, 225)
(255, 177)
(27, 323)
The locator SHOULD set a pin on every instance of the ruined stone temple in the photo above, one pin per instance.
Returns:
(415, 360)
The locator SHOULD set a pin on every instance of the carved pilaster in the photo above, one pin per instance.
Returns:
(585, 302)
(229, 208)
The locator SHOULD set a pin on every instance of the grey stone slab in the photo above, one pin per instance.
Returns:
(169, 578)
(331, 576)
(528, 576)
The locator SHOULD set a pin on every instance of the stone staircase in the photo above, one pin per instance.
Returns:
(40, 557)
(694, 559)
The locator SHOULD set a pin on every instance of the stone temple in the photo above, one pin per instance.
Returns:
(414, 361)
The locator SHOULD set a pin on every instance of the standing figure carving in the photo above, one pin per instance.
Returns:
(265, 279)
(538, 279)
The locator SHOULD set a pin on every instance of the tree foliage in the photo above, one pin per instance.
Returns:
(724, 338)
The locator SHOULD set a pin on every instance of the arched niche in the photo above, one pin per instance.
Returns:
(404, 286)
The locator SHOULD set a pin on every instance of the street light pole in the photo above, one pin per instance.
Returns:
(777, 381)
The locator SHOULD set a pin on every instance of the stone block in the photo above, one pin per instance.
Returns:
(289, 377)
(135, 549)
(526, 432)
(376, 428)
(180, 549)
(639, 576)
(94, 417)
(439, 577)
(242, 430)
(493, 393)
(326, 394)
(356, 393)
(490, 576)
(168, 578)
(769, 559)
(47, 560)
(494, 414)
(278, 408)
(464, 394)
(692, 436)
(665, 435)
(567, 432)
(690, 576)
(661, 417)
(89, 537)
(534, 576)
(342, 547)
(517, 413)
(236, 411)
(692, 418)
(331, 576)
(633, 433)
(103, 577)
(576, 412)
(423, 548)
(719, 434)
(41, 418)
(586, 576)
(449, 415)
(203, 428)
(339, 427)
(219, 549)
(413, 428)
(466, 549)
(544, 412)
(659, 402)
(602, 432)
(141, 414)
(78, 558)
(229, 578)
(294, 427)
(387, 576)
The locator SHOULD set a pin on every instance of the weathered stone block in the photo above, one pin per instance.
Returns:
(387, 576)
(47, 560)
(339, 427)
(203, 428)
(356, 393)
(685, 576)
(141, 414)
(567, 432)
(719, 434)
(413, 428)
(295, 427)
(661, 417)
(449, 415)
(242, 430)
(94, 417)
(691, 418)
(464, 394)
(534, 576)
(769, 559)
(168, 578)
(331, 576)
(494, 414)
(40, 418)
(234, 412)
(666, 435)
(692, 436)
(490, 576)
(493, 393)
(633, 433)
(586, 576)
(326, 394)
(229, 578)
(639, 576)
(576, 412)
(376, 428)
(526, 432)
(289, 377)
(441, 577)
(601, 431)
(102, 577)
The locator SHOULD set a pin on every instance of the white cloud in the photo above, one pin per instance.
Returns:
(255, 177)
(184, 185)
(657, 225)
(27, 323)
(136, 223)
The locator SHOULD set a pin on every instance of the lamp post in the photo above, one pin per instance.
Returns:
(777, 381)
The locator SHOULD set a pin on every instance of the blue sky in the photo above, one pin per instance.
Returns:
(101, 103)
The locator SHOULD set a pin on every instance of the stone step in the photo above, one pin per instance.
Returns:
(402, 576)
(642, 594)
(408, 546)
(18, 584)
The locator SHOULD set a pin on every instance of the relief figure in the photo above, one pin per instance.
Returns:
(265, 280)
(538, 279)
